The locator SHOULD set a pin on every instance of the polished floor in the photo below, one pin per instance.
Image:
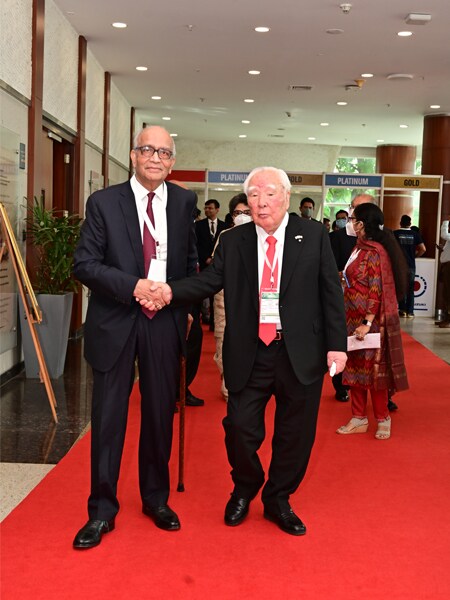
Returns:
(31, 443)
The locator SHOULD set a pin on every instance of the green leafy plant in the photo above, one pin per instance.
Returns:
(54, 238)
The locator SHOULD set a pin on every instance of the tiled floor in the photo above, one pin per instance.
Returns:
(31, 443)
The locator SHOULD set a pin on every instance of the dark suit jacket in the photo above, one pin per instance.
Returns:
(109, 260)
(205, 243)
(342, 246)
(311, 299)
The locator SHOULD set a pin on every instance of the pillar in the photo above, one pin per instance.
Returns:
(396, 160)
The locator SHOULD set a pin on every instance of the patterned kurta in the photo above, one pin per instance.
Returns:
(371, 290)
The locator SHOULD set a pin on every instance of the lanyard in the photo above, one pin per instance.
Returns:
(275, 260)
(149, 225)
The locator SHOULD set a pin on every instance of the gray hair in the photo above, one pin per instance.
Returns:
(284, 179)
(138, 134)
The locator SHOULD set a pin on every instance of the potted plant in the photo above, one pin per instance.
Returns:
(54, 237)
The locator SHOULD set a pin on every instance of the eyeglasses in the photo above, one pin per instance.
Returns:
(236, 213)
(149, 151)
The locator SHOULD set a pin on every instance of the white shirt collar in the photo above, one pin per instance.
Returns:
(278, 234)
(141, 193)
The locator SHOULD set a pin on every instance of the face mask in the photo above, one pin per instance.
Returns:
(341, 223)
(349, 229)
(241, 219)
(307, 212)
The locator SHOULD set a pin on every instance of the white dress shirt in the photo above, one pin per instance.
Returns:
(279, 247)
(159, 212)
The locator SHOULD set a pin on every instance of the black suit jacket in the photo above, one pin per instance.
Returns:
(342, 246)
(109, 260)
(311, 300)
(205, 242)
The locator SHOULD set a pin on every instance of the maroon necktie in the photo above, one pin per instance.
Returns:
(149, 248)
(268, 331)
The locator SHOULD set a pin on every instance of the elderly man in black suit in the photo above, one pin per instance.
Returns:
(285, 325)
(138, 229)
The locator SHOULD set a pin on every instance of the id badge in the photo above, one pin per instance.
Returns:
(269, 311)
(157, 270)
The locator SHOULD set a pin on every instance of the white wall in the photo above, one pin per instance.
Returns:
(15, 44)
(95, 89)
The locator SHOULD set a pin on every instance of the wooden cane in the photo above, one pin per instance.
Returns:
(180, 487)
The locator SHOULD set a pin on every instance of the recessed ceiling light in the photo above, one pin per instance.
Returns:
(380, 141)
(254, 72)
(174, 135)
(403, 126)
(243, 136)
(367, 75)
(156, 97)
(311, 139)
(435, 106)
(324, 124)
(245, 122)
(248, 100)
(342, 103)
(334, 31)
(141, 68)
(262, 29)
(404, 33)
(119, 25)
(166, 118)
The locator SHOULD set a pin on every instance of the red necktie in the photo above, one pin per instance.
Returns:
(149, 246)
(268, 331)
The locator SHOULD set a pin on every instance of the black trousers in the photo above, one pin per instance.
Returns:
(297, 407)
(155, 344)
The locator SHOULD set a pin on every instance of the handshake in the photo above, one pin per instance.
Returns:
(152, 295)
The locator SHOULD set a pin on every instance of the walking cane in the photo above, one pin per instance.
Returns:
(180, 487)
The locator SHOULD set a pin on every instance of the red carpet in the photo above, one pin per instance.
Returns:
(376, 512)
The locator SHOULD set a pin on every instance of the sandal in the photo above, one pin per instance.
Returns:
(384, 429)
(355, 425)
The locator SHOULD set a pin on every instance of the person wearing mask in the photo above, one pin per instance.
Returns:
(285, 326)
(412, 245)
(307, 208)
(133, 230)
(445, 272)
(240, 213)
(375, 277)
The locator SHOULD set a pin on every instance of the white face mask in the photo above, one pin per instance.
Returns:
(349, 229)
(241, 219)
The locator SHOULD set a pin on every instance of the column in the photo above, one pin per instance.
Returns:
(396, 159)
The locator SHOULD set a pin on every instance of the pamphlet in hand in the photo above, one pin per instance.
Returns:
(371, 340)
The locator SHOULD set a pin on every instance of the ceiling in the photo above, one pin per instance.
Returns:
(199, 52)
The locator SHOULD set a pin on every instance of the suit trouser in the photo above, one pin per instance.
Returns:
(296, 413)
(156, 345)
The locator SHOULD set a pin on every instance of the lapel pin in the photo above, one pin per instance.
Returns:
(299, 238)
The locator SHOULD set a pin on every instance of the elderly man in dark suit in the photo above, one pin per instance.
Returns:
(135, 230)
(285, 325)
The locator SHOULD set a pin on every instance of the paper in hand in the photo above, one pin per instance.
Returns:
(371, 340)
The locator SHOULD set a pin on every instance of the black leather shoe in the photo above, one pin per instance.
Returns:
(391, 405)
(163, 517)
(236, 510)
(91, 534)
(192, 400)
(342, 396)
(287, 521)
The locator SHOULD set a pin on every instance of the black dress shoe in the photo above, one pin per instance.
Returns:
(287, 521)
(391, 405)
(91, 534)
(236, 510)
(192, 400)
(163, 517)
(342, 396)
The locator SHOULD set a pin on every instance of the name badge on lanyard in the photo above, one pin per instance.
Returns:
(158, 266)
(269, 311)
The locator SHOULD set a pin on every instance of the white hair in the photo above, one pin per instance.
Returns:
(138, 134)
(284, 179)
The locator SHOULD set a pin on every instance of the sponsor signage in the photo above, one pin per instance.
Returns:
(305, 179)
(411, 182)
(353, 180)
(424, 287)
(227, 176)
